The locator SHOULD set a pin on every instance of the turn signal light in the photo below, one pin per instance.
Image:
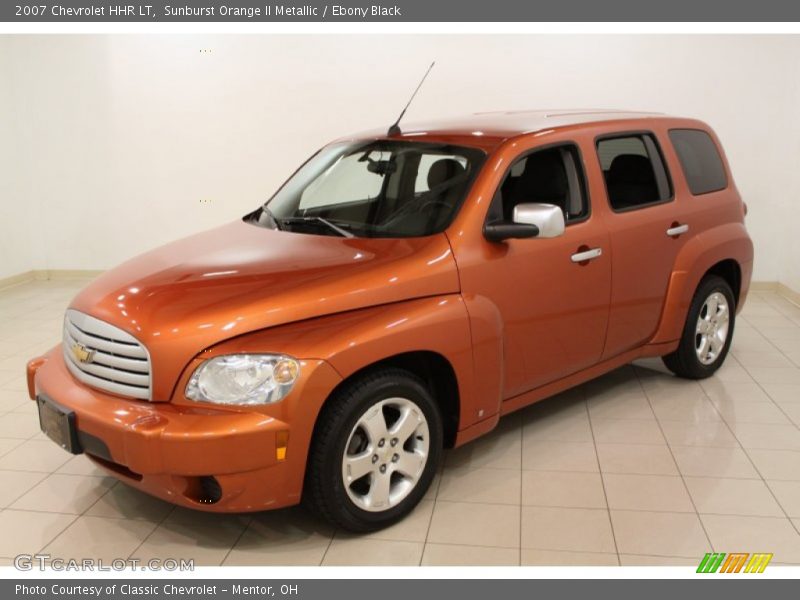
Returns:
(281, 442)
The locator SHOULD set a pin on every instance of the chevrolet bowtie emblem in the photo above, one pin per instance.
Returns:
(82, 353)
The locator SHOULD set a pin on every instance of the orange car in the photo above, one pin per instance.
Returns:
(395, 297)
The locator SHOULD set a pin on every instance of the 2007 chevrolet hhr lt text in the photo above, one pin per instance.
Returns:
(399, 294)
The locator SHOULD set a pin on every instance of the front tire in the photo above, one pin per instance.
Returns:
(376, 448)
(708, 331)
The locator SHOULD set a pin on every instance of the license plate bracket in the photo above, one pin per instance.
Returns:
(58, 423)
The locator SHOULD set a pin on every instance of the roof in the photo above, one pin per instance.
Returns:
(506, 124)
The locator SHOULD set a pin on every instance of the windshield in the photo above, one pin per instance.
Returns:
(374, 189)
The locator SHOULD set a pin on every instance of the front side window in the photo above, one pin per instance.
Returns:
(549, 176)
(700, 160)
(374, 189)
(634, 171)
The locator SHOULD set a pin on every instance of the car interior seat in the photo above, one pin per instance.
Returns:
(630, 181)
(442, 171)
(543, 180)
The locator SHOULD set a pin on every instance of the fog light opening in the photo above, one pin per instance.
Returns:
(206, 490)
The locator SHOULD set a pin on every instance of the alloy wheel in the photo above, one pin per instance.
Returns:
(385, 454)
(712, 328)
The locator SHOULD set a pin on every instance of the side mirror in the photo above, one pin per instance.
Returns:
(548, 218)
(530, 220)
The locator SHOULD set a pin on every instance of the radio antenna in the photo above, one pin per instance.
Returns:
(395, 129)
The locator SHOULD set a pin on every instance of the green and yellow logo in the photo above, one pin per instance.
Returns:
(735, 562)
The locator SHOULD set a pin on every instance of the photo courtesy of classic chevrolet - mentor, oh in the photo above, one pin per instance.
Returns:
(399, 294)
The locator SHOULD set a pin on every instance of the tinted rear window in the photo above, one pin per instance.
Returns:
(700, 160)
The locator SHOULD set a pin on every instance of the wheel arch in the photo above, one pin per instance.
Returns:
(433, 368)
(729, 270)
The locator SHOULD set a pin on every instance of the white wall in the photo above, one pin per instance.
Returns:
(788, 210)
(17, 248)
(111, 145)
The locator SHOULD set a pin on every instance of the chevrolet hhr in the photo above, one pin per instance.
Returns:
(399, 294)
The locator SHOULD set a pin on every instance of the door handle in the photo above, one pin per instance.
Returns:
(585, 255)
(677, 229)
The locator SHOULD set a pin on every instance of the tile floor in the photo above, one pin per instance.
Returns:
(635, 468)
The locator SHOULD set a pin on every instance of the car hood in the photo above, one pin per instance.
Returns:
(193, 293)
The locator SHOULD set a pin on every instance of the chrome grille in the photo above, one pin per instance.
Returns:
(114, 360)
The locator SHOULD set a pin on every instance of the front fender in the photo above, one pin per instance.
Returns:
(697, 256)
(357, 339)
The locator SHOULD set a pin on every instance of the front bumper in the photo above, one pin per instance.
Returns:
(173, 450)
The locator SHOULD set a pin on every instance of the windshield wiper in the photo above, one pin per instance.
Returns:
(305, 220)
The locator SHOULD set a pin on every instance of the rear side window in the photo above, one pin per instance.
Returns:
(634, 171)
(700, 160)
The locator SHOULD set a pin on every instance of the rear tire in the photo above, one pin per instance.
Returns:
(708, 331)
(376, 448)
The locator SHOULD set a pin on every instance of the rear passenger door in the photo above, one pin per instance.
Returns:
(646, 232)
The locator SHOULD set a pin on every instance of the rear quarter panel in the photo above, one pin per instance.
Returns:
(717, 233)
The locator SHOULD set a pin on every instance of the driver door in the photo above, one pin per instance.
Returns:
(553, 304)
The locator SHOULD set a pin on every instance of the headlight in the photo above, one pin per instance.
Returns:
(242, 379)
